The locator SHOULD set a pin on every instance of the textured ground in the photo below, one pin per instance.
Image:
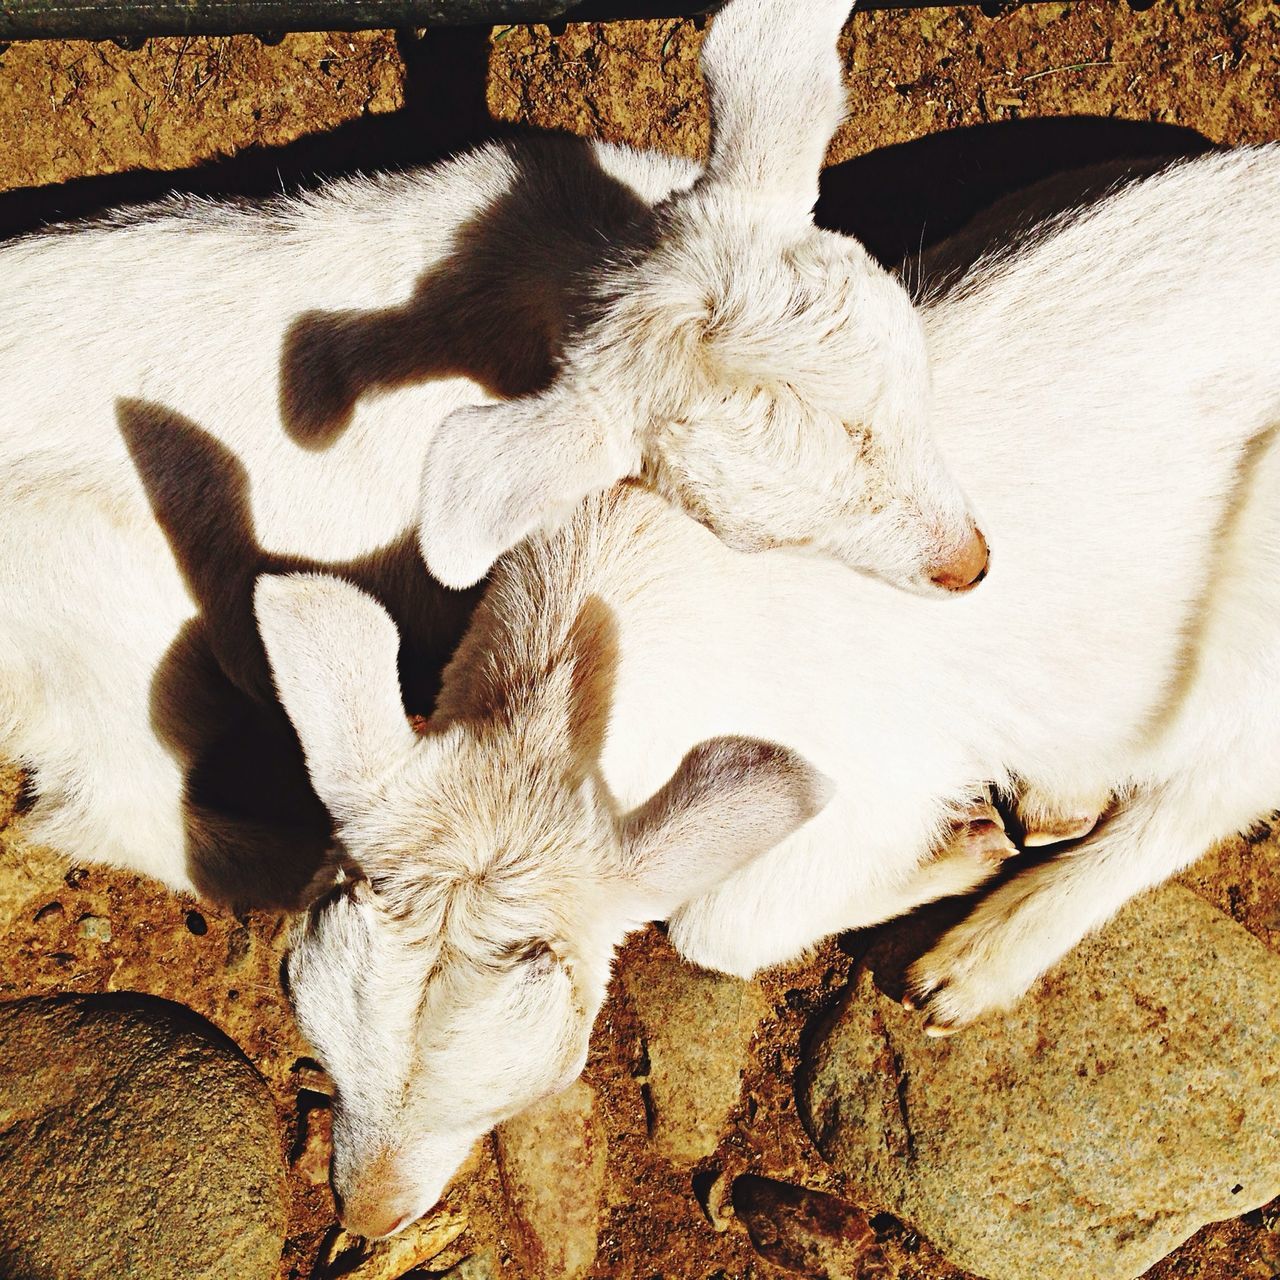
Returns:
(70, 111)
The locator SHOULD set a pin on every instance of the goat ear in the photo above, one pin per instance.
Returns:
(333, 653)
(773, 113)
(729, 801)
(494, 474)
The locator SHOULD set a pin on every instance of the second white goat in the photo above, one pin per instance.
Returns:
(644, 722)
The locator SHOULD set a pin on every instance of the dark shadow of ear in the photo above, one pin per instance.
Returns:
(495, 309)
(445, 112)
(902, 200)
(256, 835)
(256, 831)
(593, 641)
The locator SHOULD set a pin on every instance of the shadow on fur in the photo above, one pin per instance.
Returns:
(496, 310)
(902, 200)
(256, 830)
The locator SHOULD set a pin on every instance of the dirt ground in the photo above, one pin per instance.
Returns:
(71, 112)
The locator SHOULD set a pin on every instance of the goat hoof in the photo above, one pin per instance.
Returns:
(1059, 829)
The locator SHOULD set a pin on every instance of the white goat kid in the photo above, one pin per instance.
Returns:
(763, 374)
(233, 389)
(1097, 398)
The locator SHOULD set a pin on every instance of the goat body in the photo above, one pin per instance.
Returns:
(1104, 398)
(1102, 394)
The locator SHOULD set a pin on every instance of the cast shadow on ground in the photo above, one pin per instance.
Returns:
(904, 199)
(445, 111)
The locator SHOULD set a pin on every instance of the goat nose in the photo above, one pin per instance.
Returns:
(966, 568)
(388, 1227)
(371, 1220)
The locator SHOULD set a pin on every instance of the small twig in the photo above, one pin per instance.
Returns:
(177, 65)
(212, 71)
(1074, 66)
(671, 35)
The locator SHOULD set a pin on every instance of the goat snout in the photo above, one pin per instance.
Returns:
(373, 1210)
(373, 1221)
(966, 568)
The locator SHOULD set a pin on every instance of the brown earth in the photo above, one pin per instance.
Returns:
(69, 110)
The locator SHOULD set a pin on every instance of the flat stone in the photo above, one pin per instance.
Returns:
(698, 1028)
(551, 1159)
(135, 1140)
(351, 1257)
(1131, 1098)
(479, 1266)
(310, 1157)
(807, 1232)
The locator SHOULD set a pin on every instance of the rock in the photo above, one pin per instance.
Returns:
(51, 914)
(712, 1189)
(479, 1266)
(135, 1140)
(350, 1257)
(1131, 1098)
(310, 1156)
(809, 1232)
(698, 1027)
(551, 1159)
(95, 928)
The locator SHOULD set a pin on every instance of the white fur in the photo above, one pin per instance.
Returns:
(192, 326)
(1104, 395)
(765, 375)
(458, 982)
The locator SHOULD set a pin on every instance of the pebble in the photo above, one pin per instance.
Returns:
(96, 928)
(310, 1075)
(712, 1189)
(552, 1160)
(51, 913)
